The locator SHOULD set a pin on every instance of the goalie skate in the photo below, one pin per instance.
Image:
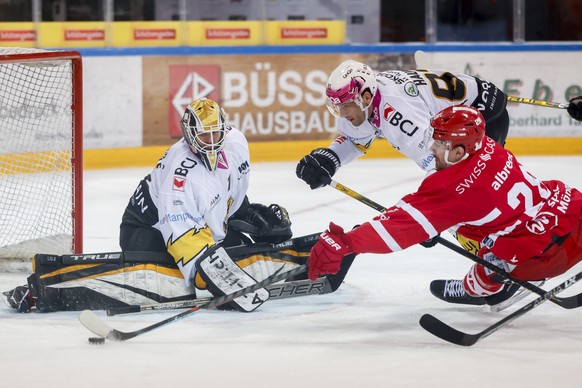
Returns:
(19, 298)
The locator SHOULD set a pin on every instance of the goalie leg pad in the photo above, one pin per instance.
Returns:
(99, 282)
(223, 276)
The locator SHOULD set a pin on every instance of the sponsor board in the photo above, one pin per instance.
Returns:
(188, 83)
(548, 76)
(266, 97)
(17, 35)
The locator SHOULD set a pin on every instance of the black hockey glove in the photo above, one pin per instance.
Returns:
(575, 108)
(317, 168)
(263, 223)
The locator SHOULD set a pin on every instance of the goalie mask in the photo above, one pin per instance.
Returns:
(347, 83)
(204, 128)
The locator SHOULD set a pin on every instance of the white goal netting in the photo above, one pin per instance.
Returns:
(37, 134)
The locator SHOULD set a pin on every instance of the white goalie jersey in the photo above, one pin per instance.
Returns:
(401, 111)
(193, 203)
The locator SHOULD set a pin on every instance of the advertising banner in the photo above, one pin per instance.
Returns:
(281, 98)
(268, 97)
(17, 35)
(229, 33)
(140, 34)
(72, 34)
(281, 32)
(548, 76)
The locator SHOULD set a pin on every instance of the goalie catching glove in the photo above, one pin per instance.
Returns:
(327, 254)
(263, 223)
(223, 277)
(317, 168)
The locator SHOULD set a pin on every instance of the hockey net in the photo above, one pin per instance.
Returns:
(40, 154)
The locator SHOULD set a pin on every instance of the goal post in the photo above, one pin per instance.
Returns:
(41, 153)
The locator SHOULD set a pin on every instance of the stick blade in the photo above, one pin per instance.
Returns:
(445, 332)
(92, 323)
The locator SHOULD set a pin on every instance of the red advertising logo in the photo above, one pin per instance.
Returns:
(387, 112)
(303, 33)
(179, 183)
(18, 36)
(154, 34)
(84, 35)
(188, 83)
(228, 33)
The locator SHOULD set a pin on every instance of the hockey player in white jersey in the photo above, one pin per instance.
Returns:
(396, 106)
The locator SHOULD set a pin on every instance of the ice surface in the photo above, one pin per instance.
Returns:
(364, 335)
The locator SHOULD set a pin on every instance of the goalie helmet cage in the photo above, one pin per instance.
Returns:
(41, 153)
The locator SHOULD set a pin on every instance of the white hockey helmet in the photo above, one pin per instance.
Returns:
(347, 83)
(204, 128)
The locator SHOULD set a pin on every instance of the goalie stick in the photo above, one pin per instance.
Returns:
(92, 322)
(284, 290)
(292, 289)
(571, 302)
(445, 332)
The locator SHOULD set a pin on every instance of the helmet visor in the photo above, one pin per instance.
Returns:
(340, 98)
(434, 145)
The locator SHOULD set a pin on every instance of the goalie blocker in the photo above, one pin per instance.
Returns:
(113, 280)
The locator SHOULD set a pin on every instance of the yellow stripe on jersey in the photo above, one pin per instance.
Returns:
(189, 245)
(470, 245)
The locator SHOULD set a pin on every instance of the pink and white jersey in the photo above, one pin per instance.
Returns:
(401, 111)
(488, 197)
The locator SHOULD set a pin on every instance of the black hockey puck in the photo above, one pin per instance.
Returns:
(96, 340)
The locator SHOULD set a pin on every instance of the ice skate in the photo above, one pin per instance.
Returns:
(452, 291)
(19, 298)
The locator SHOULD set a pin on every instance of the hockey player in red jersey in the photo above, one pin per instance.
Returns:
(530, 228)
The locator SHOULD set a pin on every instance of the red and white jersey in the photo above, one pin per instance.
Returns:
(488, 197)
(401, 111)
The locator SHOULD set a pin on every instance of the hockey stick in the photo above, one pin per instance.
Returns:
(92, 322)
(531, 101)
(571, 302)
(284, 290)
(292, 289)
(443, 331)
